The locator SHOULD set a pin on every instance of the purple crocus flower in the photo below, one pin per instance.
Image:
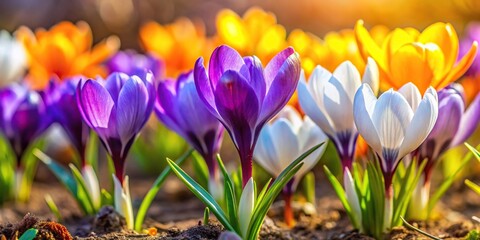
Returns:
(179, 109)
(454, 125)
(62, 106)
(132, 63)
(116, 110)
(244, 96)
(23, 117)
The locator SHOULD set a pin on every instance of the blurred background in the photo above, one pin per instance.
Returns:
(124, 17)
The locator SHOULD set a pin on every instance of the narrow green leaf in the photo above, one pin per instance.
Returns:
(82, 192)
(206, 216)
(473, 186)
(200, 169)
(201, 194)
(107, 198)
(58, 170)
(342, 196)
(309, 187)
(91, 151)
(148, 199)
(30, 234)
(230, 198)
(53, 207)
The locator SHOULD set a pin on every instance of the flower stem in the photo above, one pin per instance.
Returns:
(288, 211)
(247, 163)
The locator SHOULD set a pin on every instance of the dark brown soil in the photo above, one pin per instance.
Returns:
(177, 215)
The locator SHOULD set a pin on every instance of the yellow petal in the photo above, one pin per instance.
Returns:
(461, 67)
(231, 30)
(409, 64)
(271, 42)
(445, 37)
(155, 38)
(368, 47)
(436, 62)
(395, 40)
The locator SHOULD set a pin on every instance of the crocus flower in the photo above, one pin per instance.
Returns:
(133, 63)
(62, 106)
(454, 125)
(13, 59)
(178, 108)
(257, 33)
(23, 119)
(282, 141)
(328, 100)
(244, 96)
(179, 44)
(64, 51)
(116, 110)
(394, 125)
(427, 59)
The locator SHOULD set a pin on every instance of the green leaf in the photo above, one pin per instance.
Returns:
(442, 189)
(473, 186)
(107, 198)
(200, 169)
(58, 170)
(375, 200)
(148, 199)
(91, 151)
(230, 198)
(309, 187)
(30, 234)
(418, 230)
(53, 207)
(263, 206)
(82, 192)
(342, 196)
(202, 194)
(206, 216)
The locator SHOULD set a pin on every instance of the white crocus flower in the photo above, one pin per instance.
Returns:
(394, 125)
(123, 202)
(246, 206)
(13, 59)
(91, 182)
(285, 139)
(327, 99)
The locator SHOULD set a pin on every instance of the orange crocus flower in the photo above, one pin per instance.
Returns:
(178, 44)
(64, 51)
(425, 58)
(257, 33)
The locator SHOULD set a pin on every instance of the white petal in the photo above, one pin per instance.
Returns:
(421, 124)
(349, 77)
(339, 106)
(285, 142)
(264, 153)
(364, 105)
(371, 75)
(312, 109)
(411, 94)
(245, 207)
(292, 115)
(123, 203)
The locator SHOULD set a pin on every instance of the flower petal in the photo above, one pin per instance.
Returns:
(349, 78)
(411, 94)
(95, 104)
(114, 84)
(274, 66)
(371, 75)
(363, 107)
(337, 97)
(223, 58)
(204, 87)
(469, 122)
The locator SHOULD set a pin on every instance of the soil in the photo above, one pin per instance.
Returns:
(177, 214)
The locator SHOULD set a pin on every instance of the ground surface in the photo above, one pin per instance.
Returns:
(177, 215)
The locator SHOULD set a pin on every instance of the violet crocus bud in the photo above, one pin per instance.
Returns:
(117, 109)
(244, 96)
(23, 117)
(179, 107)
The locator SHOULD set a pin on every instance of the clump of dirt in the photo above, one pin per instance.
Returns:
(199, 232)
(46, 229)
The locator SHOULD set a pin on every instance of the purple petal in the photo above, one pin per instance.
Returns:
(132, 108)
(283, 85)
(469, 122)
(275, 65)
(237, 104)
(204, 87)
(114, 84)
(253, 72)
(223, 58)
(95, 104)
(450, 110)
(165, 107)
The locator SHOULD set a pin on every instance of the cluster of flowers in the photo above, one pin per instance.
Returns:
(85, 89)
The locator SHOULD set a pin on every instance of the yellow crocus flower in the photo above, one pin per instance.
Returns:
(63, 51)
(257, 33)
(178, 44)
(425, 58)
